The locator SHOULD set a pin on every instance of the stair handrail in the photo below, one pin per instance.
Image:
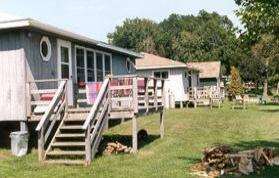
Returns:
(58, 104)
(52, 105)
(96, 104)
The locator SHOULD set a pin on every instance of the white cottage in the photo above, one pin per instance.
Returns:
(178, 77)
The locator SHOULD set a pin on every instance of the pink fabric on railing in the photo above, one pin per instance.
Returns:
(92, 90)
(47, 96)
(141, 85)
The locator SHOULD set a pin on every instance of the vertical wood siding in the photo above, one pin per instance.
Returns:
(38, 68)
(12, 90)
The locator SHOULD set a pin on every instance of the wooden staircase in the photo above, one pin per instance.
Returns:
(73, 135)
(76, 138)
(68, 144)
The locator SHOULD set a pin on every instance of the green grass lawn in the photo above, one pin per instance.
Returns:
(187, 132)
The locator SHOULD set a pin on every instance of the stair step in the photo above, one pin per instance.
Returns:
(81, 100)
(71, 127)
(60, 161)
(80, 110)
(70, 135)
(75, 119)
(66, 153)
(68, 144)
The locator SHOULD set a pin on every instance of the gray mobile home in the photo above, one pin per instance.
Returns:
(70, 86)
(31, 50)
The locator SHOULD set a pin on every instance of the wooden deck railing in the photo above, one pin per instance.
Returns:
(136, 93)
(35, 90)
(120, 94)
(55, 112)
(96, 120)
(207, 95)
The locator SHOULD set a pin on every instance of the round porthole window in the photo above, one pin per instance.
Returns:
(45, 48)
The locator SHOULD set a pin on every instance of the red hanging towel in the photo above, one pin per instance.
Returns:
(141, 85)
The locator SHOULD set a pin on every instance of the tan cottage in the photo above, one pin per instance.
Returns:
(210, 72)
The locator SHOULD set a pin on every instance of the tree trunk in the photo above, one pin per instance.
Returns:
(278, 88)
(265, 89)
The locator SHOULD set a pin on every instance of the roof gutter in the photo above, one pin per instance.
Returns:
(20, 23)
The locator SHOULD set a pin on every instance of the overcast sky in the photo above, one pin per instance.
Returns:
(96, 18)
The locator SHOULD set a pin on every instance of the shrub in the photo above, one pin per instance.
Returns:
(235, 86)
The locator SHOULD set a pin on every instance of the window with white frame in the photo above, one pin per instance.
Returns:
(99, 64)
(161, 74)
(107, 64)
(80, 65)
(90, 61)
(92, 65)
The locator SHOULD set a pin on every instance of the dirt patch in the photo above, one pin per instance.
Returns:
(4, 155)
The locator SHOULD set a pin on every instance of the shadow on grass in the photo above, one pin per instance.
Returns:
(270, 110)
(246, 145)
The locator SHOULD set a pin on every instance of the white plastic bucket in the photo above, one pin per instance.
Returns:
(19, 143)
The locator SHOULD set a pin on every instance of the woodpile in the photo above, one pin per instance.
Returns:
(222, 160)
(116, 148)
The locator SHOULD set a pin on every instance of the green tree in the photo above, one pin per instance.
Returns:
(235, 86)
(267, 52)
(261, 20)
(136, 34)
(205, 37)
(259, 17)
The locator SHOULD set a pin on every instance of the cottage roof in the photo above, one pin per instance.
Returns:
(209, 69)
(25, 23)
(151, 61)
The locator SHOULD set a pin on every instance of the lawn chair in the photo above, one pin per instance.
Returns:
(215, 99)
(263, 99)
(240, 101)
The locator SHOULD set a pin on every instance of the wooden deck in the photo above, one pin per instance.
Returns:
(80, 128)
(205, 96)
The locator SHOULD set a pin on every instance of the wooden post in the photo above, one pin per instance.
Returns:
(23, 126)
(155, 94)
(195, 97)
(28, 100)
(41, 144)
(135, 94)
(163, 93)
(146, 94)
(195, 103)
(66, 97)
(181, 104)
(88, 147)
(135, 134)
(162, 127)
